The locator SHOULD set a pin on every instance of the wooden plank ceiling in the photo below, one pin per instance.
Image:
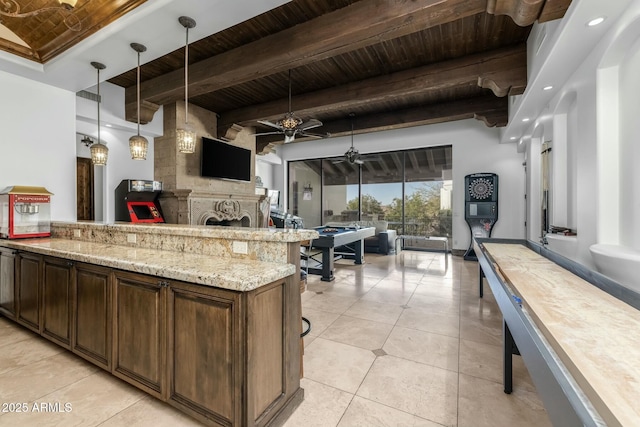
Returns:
(51, 32)
(394, 63)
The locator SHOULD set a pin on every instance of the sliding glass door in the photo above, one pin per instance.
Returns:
(411, 190)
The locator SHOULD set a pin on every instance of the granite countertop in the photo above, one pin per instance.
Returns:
(236, 233)
(220, 272)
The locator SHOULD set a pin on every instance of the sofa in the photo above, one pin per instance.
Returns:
(383, 242)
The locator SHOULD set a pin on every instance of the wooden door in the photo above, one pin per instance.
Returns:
(29, 274)
(139, 354)
(92, 320)
(7, 283)
(56, 298)
(84, 189)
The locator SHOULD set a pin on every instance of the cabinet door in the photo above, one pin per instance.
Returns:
(56, 297)
(205, 353)
(29, 273)
(7, 283)
(139, 331)
(92, 320)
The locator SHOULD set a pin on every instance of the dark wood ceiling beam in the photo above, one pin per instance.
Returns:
(503, 70)
(361, 24)
(526, 12)
(491, 108)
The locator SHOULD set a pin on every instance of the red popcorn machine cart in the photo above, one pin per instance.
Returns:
(25, 212)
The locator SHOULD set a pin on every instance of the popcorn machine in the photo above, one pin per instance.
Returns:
(25, 212)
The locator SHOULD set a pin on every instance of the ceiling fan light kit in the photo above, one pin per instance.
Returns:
(291, 125)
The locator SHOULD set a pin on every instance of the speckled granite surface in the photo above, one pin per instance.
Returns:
(221, 272)
(262, 244)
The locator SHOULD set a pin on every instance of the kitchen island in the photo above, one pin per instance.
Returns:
(204, 318)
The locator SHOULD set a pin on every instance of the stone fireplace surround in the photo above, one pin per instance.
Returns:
(188, 198)
(198, 208)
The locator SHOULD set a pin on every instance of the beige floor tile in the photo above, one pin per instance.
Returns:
(434, 304)
(323, 406)
(438, 291)
(320, 320)
(396, 285)
(424, 347)
(332, 303)
(388, 296)
(11, 333)
(90, 401)
(422, 390)
(375, 311)
(481, 330)
(428, 321)
(483, 403)
(345, 288)
(308, 340)
(358, 332)
(140, 413)
(480, 309)
(485, 361)
(366, 413)
(38, 379)
(307, 295)
(25, 352)
(337, 365)
(405, 275)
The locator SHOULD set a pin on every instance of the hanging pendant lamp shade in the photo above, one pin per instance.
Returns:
(99, 151)
(186, 136)
(138, 144)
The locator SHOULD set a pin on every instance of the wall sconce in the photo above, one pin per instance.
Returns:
(307, 192)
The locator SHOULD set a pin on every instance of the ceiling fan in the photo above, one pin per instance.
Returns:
(352, 156)
(291, 125)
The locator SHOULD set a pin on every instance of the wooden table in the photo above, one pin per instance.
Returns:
(580, 344)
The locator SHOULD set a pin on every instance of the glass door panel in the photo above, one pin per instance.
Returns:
(340, 190)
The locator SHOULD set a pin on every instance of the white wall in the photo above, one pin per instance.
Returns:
(598, 109)
(119, 163)
(38, 142)
(475, 149)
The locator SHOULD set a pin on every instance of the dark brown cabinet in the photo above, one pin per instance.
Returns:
(225, 357)
(29, 290)
(56, 300)
(7, 282)
(204, 330)
(139, 331)
(92, 323)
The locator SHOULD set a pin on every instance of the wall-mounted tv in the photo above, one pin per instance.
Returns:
(225, 161)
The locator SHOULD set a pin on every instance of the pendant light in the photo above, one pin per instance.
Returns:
(186, 136)
(99, 151)
(138, 144)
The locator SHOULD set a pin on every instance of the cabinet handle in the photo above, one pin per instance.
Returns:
(163, 284)
(70, 263)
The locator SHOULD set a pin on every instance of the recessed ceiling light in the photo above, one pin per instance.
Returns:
(513, 138)
(547, 87)
(596, 21)
(526, 119)
(109, 125)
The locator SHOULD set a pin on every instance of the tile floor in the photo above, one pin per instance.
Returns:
(399, 341)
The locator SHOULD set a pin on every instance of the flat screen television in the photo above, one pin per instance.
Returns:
(225, 161)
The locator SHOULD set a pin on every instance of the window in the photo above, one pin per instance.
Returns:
(412, 190)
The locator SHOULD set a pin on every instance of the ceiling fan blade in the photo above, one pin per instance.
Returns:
(267, 133)
(270, 124)
(337, 161)
(314, 135)
(358, 162)
(312, 123)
